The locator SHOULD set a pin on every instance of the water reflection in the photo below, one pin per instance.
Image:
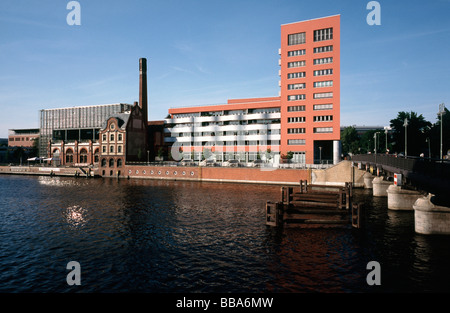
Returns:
(168, 236)
(75, 216)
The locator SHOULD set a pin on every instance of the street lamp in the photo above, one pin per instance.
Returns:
(386, 131)
(441, 113)
(406, 136)
(375, 142)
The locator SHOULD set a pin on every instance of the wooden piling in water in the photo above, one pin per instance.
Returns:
(314, 204)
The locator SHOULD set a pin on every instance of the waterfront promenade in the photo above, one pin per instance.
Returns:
(337, 174)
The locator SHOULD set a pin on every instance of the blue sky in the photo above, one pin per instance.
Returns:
(205, 52)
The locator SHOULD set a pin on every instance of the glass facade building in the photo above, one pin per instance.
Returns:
(76, 123)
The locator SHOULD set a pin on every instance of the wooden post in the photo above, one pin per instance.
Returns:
(271, 214)
(356, 215)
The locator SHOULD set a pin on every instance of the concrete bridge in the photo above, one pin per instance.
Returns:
(424, 174)
(418, 184)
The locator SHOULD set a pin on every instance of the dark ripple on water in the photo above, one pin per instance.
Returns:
(155, 236)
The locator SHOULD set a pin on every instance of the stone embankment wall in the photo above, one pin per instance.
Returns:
(338, 174)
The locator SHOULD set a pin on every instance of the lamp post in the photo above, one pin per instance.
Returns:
(386, 131)
(441, 113)
(375, 142)
(375, 137)
(320, 155)
(406, 136)
(429, 146)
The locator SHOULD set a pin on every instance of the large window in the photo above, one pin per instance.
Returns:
(295, 53)
(328, 83)
(323, 130)
(69, 156)
(296, 39)
(323, 49)
(328, 106)
(323, 34)
(296, 64)
(296, 130)
(296, 86)
(323, 95)
(296, 142)
(296, 119)
(323, 118)
(323, 72)
(296, 97)
(296, 108)
(296, 75)
(83, 156)
(323, 61)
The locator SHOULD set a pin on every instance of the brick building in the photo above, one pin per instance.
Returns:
(304, 120)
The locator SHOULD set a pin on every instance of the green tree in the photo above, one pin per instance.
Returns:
(35, 149)
(350, 140)
(367, 141)
(434, 136)
(417, 131)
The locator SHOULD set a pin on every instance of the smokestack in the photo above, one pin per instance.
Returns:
(143, 88)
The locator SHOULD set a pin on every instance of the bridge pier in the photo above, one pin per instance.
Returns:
(401, 199)
(431, 219)
(368, 178)
(380, 187)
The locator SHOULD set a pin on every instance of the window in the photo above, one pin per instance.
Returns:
(323, 49)
(296, 75)
(296, 39)
(296, 64)
(323, 95)
(328, 106)
(119, 149)
(296, 130)
(296, 119)
(299, 157)
(83, 156)
(296, 142)
(296, 86)
(323, 72)
(103, 162)
(328, 83)
(119, 137)
(111, 162)
(69, 156)
(323, 118)
(323, 61)
(111, 149)
(104, 137)
(296, 97)
(323, 130)
(323, 34)
(104, 149)
(119, 163)
(111, 138)
(296, 108)
(295, 53)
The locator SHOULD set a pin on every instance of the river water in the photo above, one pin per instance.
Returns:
(173, 236)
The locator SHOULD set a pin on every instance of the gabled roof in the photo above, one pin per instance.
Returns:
(122, 120)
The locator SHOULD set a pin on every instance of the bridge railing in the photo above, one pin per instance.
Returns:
(425, 166)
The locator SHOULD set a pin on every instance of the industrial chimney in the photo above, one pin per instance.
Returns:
(143, 88)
